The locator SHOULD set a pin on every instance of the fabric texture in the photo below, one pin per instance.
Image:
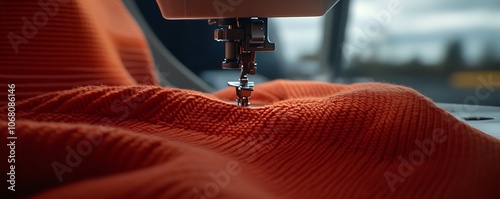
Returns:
(80, 43)
(120, 139)
(315, 140)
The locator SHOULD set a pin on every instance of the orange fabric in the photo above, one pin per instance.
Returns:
(316, 140)
(91, 42)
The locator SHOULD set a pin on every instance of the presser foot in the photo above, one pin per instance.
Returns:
(243, 91)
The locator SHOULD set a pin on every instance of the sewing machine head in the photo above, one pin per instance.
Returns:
(245, 31)
(217, 9)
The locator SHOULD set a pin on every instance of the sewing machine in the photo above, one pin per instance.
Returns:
(223, 12)
(244, 28)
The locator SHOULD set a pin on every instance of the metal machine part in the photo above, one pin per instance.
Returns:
(246, 28)
(243, 38)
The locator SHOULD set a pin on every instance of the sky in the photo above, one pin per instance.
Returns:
(298, 36)
(420, 30)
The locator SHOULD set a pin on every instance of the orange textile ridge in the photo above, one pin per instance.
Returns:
(53, 45)
(314, 140)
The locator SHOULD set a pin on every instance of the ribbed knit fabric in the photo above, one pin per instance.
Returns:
(315, 140)
(90, 42)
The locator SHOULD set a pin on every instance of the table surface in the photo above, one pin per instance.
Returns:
(484, 118)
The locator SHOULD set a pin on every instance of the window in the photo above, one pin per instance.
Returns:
(448, 50)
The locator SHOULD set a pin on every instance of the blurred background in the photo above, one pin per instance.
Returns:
(449, 50)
